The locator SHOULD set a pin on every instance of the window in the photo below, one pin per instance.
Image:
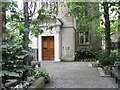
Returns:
(84, 38)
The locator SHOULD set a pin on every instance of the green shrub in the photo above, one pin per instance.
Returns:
(38, 72)
(107, 60)
(100, 54)
(97, 55)
(84, 54)
(13, 54)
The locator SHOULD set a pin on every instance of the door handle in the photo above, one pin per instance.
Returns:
(44, 48)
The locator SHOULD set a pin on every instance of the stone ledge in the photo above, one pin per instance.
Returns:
(102, 74)
(39, 83)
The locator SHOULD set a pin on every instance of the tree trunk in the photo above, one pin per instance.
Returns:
(119, 30)
(107, 28)
(26, 33)
(26, 37)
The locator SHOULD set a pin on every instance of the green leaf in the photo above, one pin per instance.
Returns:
(13, 74)
(41, 31)
(27, 67)
(14, 16)
(25, 51)
(41, 17)
(33, 22)
(49, 28)
(20, 56)
(53, 17)
(5, 72)
(41, 11)
(20, 70)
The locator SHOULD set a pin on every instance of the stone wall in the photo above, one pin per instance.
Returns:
(68, 44)
(67, 34)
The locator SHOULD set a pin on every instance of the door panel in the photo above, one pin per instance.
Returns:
(51, 48)
(48, 48)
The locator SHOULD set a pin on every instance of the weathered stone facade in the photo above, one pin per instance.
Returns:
(66, 39)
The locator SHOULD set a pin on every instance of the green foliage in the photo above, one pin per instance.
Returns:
(81, 12)
(7, 73)
(12, 56)
(104, 59)
(25, 84)
(9, 6)
(13, 53)
(84, 20)
(101, 31)
(84, 54)
(38, 72)
(113, 14)
(44, 13)
(49, 28)
(115, 51)
(98, 55)
(15, 20)
(114, 26)
(36, 32)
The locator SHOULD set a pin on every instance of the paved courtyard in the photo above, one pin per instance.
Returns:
(76, 75)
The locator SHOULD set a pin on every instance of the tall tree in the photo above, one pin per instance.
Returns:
(26, 25)
(107, 28)
(15, 50)
(119, 28)
(26, 60)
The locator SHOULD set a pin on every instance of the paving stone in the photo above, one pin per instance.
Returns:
(76, 75)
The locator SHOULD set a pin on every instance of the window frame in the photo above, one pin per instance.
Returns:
(84, 39)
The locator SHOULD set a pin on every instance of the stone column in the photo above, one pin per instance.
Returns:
(57, 47)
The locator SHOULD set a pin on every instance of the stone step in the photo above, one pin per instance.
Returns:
(102, 74)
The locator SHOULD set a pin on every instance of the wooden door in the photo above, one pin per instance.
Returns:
(48, 48)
